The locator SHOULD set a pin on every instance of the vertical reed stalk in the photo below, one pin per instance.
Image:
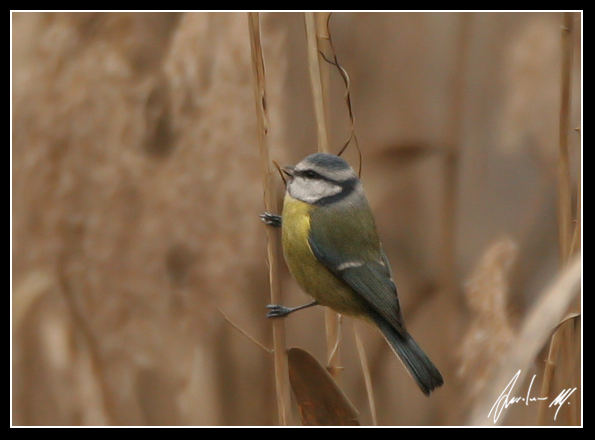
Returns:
(566, 236)
(325, 72)
(576, 234)
(366, 372)
(316, 28)
(271, 205)
(572, 373)
(319, 87)
(564, 328)
(548, 375)
(564, 182)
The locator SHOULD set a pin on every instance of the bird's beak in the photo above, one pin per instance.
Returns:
(288, 170)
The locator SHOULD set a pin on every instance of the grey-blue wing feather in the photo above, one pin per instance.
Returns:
(378, 289)
(371, 280)
(346, 243)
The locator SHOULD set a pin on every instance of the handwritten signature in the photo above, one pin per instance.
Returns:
(506, 398)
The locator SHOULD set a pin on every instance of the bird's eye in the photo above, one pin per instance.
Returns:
(310, 174)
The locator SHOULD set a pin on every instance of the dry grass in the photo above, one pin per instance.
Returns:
(557, 341)
(319, 76)
(533, 334)
(361, 351)
(271, 205)
(490, 333)
(564, 180)
(567, 236)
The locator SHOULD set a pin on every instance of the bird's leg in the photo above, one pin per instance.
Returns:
(278, 311)
(271, 219)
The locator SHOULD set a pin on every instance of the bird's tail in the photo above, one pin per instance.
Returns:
(416, 361)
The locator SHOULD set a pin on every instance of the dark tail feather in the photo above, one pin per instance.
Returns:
(417, 362)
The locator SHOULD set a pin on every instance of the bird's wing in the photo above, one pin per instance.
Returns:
(349, 247)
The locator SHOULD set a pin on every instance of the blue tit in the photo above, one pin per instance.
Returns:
(332, 249)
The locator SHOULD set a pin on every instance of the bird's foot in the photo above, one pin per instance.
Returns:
(271, 219)
(278, 311)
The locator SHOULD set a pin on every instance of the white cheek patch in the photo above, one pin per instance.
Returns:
(312, 190)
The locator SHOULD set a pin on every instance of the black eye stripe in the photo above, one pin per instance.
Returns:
(310, 174)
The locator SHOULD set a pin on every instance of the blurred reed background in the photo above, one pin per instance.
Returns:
(136, 190)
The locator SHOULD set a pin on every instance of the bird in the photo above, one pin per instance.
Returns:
(332, 249)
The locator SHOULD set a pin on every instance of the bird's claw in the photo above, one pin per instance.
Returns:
(277, 311)
(271, 219)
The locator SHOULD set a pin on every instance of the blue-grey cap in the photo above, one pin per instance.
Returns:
(327, 165)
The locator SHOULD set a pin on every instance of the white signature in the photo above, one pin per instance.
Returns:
(506, 398)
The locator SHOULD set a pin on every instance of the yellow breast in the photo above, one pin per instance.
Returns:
(311, 275)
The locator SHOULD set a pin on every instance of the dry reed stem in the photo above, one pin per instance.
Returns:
(576, 234)
(566, 372)
(575, 347)
(322, 33)
(245, 333)
(270, 201)
(535, 330)
(567, 234)
(550, 366)
(564, 181)
(316, 82)
(575, 247)
(366, 373)
(315, 27)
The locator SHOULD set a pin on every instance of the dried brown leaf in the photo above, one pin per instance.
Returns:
(319, 398)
